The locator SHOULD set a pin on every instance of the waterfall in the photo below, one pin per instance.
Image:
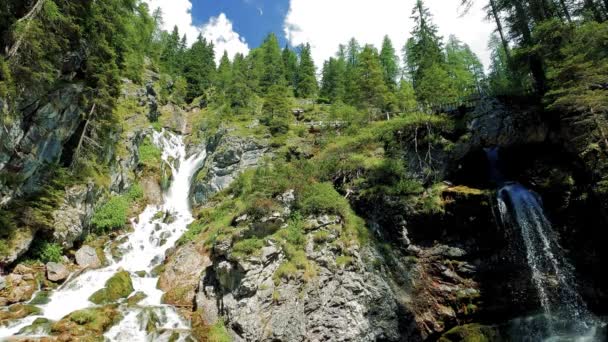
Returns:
(142, 250)
(565, 316)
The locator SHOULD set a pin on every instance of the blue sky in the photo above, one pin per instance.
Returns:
(252, 19)
(240, 25)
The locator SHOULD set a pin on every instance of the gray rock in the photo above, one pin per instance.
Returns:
(56, 272)
(354, 304)
(73, 215)
(228, 156)
(87, 256)
(2, 283)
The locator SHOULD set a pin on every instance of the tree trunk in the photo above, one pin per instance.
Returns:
(505, 44)
(566, 11)
(82, 136)
(28, 19)
(536, 63)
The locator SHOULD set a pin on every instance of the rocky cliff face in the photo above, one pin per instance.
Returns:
(228, 156)
(37, 138)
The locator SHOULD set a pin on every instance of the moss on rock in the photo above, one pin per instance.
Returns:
(117, 287)
(87, 324)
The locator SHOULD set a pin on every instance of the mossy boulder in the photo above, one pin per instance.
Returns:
(472, 333)
(40, 326)
(87, 325)
(18, 311)
(118, 287)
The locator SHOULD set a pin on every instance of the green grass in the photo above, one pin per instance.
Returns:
(149, 154)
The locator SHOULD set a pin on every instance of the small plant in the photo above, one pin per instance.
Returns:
(344, 261)
(247, 247)
(149, 154)
(48, 252)
(218, 332)
(136, 192)
(112, 215)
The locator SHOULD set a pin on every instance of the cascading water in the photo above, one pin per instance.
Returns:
(142, 250)
(565, 316)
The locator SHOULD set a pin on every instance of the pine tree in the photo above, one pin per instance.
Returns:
(290, 62)
(371, 89)
(223, 78)
(199, 67)
(390, 63)
(425, 59)
(424, 48)
(351, 57)
(239, 92)
(307, 86)
(464, 68)
(333, 82)
(171, 51)
(406, 98)
(272, 64)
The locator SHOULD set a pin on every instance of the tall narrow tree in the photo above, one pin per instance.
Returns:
(307, 86)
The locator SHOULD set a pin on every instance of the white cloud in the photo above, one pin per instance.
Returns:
(176, 13)
(218, 29)
(325, 24)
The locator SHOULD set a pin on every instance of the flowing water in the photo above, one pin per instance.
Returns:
(564, 316)
(141, 251)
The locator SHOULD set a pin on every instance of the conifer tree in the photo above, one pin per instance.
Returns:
(271, 64)
(390, 63)
(290, 62)
(199, 67)
(307, 86)
(371, 89)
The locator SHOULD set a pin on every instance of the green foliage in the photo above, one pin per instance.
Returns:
(306, 78)
(136, 192)
(149, 154)
(112, 215)
(47, 251)
(218, 332)
(321, 198)
(247, 247)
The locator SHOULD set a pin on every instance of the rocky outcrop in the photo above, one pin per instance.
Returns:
(228, 156)
(339, 298)
(37, 138)
(20, 285)
(181, 274)
(71, 219)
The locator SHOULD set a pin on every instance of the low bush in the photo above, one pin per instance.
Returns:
(112, 215)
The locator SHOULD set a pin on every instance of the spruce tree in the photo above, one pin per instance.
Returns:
(272, 64)
(371, 89)
(307, 86)
(290, 62)
(390, 63)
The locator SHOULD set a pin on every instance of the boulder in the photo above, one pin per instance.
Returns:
(119, 286)
(56, 272)
(87, 256)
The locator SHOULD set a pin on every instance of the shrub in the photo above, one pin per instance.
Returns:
(149, 154)
(218, 332)
(112, 215)
(48, 252)
(247, 247)
(136, 192)
(321, 198)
